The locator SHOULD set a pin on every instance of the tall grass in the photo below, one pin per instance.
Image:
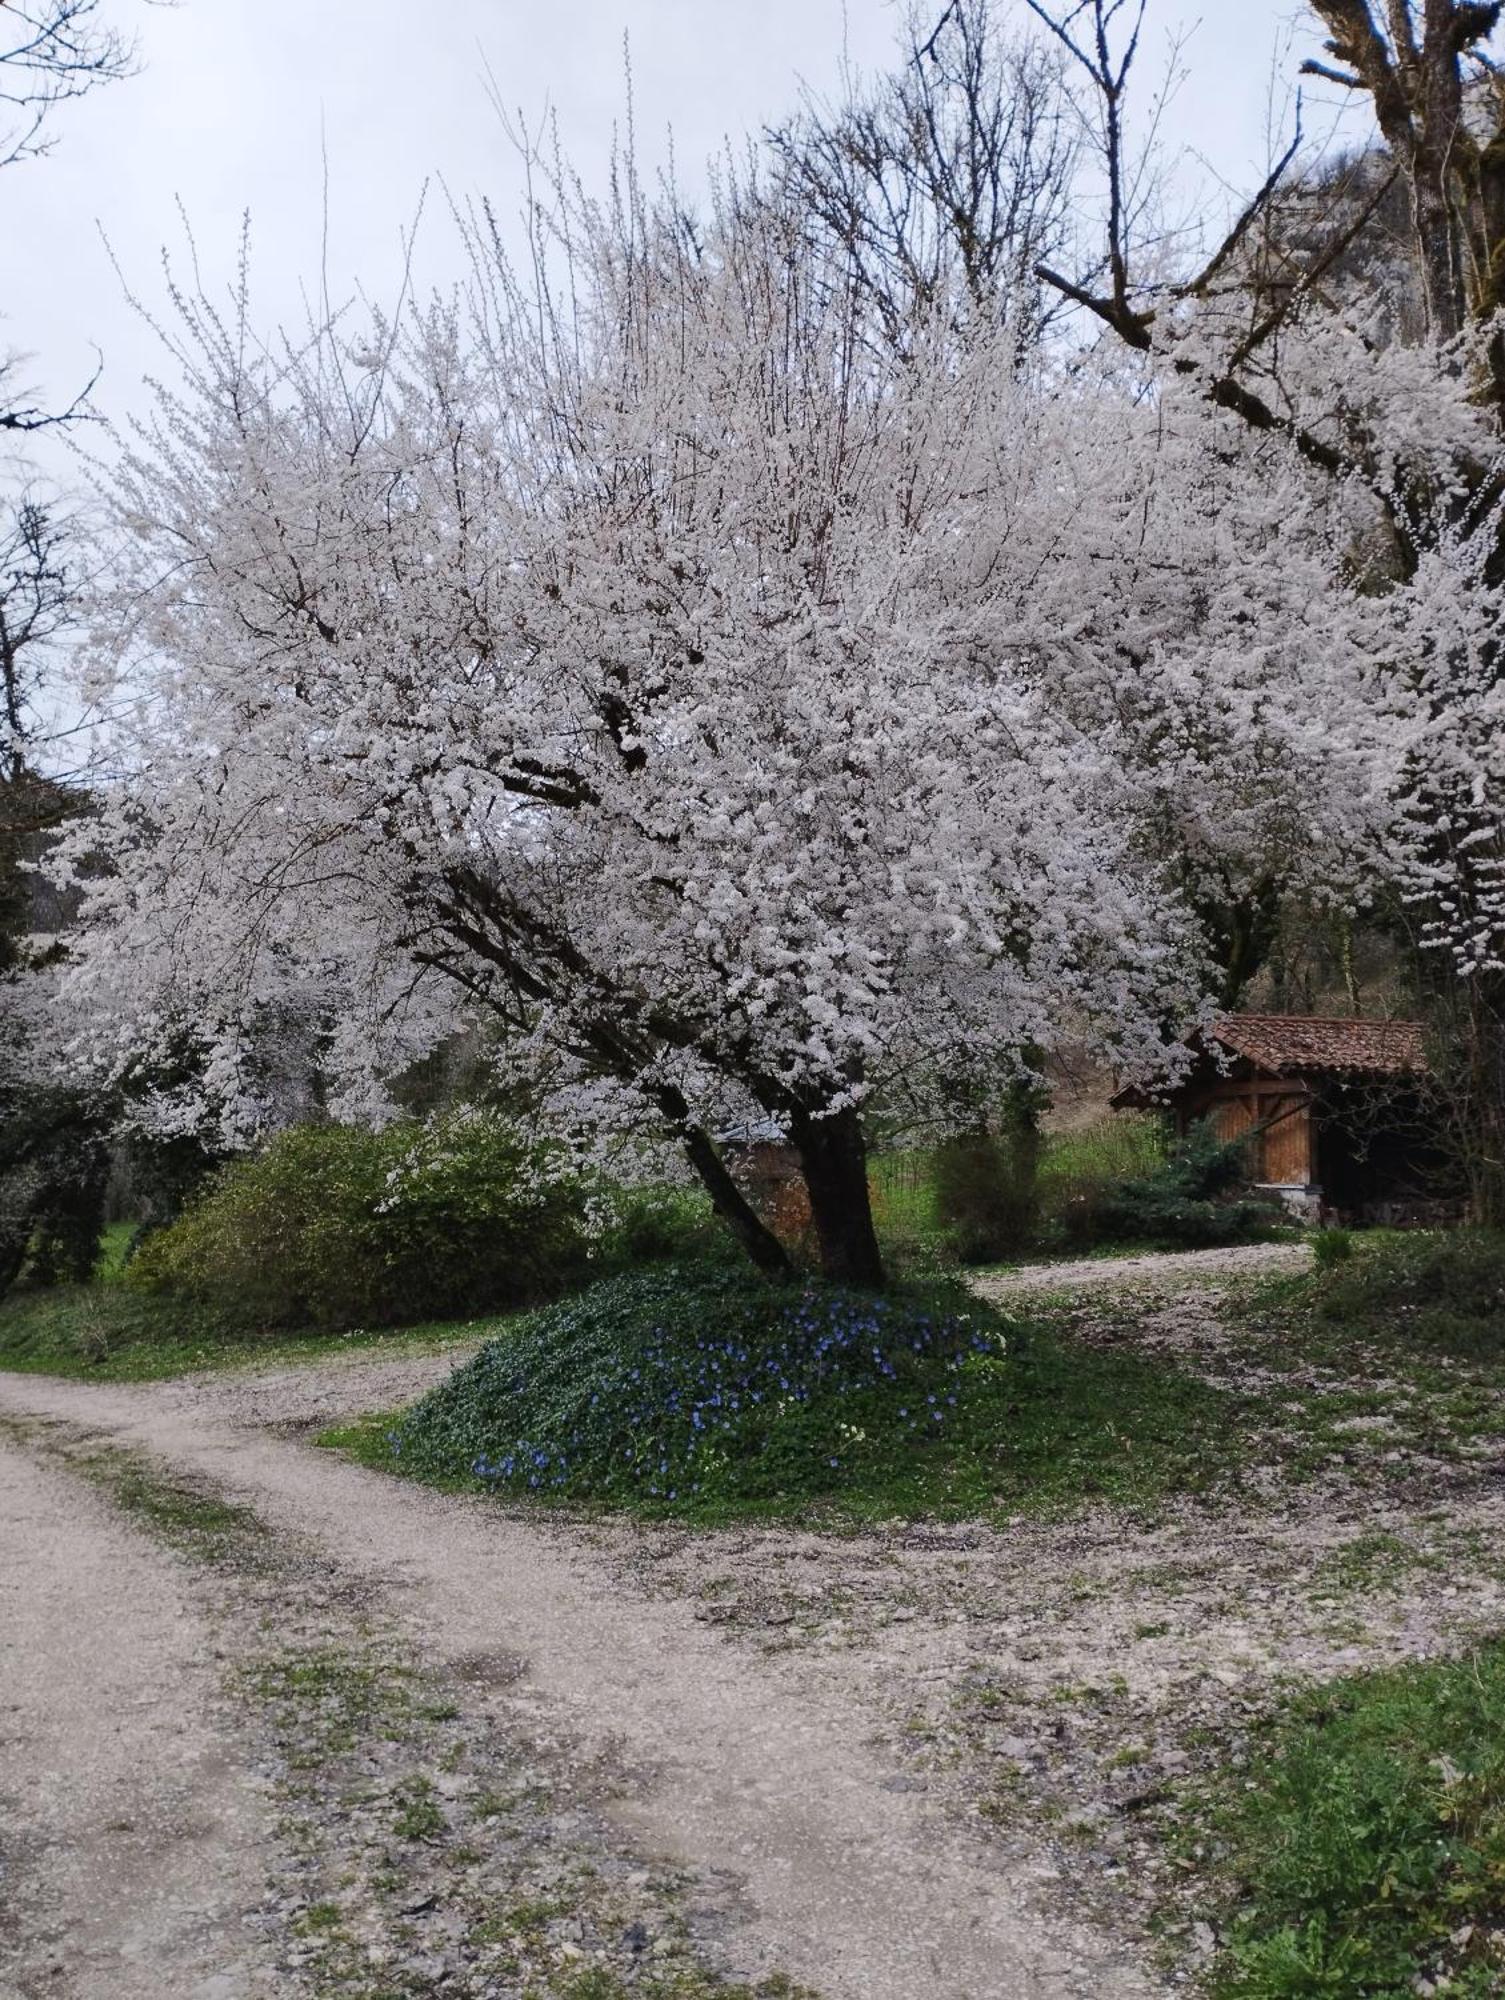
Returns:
(1075, 1169)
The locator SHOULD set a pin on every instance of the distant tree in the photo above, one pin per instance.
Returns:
(53, 1123)
(1396, 424)
(948, 180)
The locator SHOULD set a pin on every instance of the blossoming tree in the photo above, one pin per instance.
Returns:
(646, 656)
(1391, 425)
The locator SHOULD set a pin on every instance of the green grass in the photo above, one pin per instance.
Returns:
(1075, 1167)
(1422, 1292)
(1403, 1331)
(105, 1332)
(1362, 1845)
(1028, 1422)
(114, 1247)
(189, 1516)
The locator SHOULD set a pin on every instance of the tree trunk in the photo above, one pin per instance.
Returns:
(833, 1157)
(729, 1202)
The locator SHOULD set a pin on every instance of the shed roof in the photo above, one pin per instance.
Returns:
(1297, 1043)
(1305, 1045)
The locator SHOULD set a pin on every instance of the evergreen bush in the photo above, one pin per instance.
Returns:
(1188, 1202)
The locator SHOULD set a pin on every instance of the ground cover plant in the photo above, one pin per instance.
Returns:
(1362, 1848)
(710, 1396)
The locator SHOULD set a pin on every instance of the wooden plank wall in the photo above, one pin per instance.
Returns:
(1284, 1154)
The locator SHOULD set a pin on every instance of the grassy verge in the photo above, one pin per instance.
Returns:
(1360, 1850)
(107, 1333)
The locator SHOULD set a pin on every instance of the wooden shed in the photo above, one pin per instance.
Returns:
(1333, 1110)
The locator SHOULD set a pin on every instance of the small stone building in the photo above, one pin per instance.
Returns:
(1334, 1111)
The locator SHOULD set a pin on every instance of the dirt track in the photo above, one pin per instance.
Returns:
(131, 1839)
(757, 1767)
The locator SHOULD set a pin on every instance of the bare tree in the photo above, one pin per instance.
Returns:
(36, 592)
(1438, 99)
(51, 51)
(950, 179)
(1439, 102)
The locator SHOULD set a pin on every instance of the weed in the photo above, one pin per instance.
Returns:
(319, 1918)
(417, 1814)
(1363, 1848)
(189, 1516)
(1371, 1562)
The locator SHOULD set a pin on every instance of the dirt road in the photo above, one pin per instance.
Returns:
(131, 1836)
(920, 1763)
(1157, 1267)
(755, 1771)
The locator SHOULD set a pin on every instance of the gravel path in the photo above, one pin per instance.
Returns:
(131, 1845)
(1148, 1267)
(759, 1768)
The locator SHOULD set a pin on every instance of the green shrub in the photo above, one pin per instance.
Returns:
(1364, 1849)
(334, 1227)
(54, 1161)
(641, 1226)
(977, 1204)
(1185, 1203)
(1331, 1247)
(1442, 1289)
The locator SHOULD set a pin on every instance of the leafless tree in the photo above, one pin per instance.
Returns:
(51, 51)
(949, 180)
(36, 592)
(1439, 101)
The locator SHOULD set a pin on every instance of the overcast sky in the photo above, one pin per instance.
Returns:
(239, 101)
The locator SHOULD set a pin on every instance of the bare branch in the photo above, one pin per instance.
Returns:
(1311, 67)
(50, 52)
(1253, 210)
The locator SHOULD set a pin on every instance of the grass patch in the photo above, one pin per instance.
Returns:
(190, 1517)
(712, 1398)
(106, 1333)
(327, 1699)
(1362, 1848)
(1405, 1340)
(1380, 1561)
(1438, 1292)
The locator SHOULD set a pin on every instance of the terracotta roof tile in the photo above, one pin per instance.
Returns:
(1298, 1042)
